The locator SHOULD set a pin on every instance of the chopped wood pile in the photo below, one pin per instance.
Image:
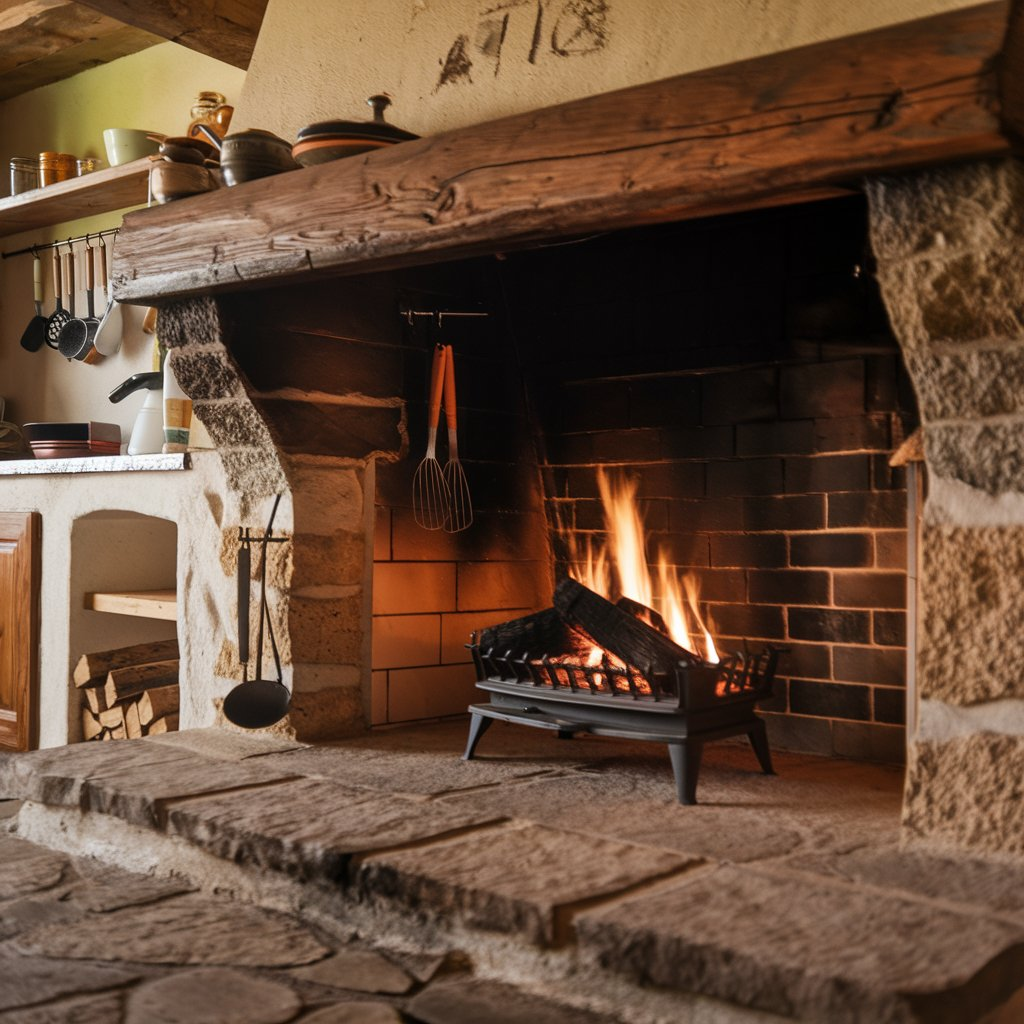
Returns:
(129, 692)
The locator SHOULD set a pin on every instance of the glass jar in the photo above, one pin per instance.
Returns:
(210, 109)
(88, 164)
(54, 167)
(24, 174)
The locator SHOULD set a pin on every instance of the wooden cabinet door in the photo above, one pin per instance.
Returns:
(19, 628)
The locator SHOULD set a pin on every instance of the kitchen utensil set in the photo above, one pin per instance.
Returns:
(440, 496)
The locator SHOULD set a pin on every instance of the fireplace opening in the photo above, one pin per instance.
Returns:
(739, 371)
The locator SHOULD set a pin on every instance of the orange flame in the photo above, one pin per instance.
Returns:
(623, 557)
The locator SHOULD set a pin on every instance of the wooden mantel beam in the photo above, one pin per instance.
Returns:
(783, 127)
(225, 29)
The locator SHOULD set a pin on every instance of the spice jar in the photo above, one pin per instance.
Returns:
(54, 167)
(24, 174)
(88, 164)
(210, 109)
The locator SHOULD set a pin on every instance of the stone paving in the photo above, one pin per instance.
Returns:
(548, 881)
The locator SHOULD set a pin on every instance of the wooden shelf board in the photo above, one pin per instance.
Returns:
(148, 604)
(113, 188)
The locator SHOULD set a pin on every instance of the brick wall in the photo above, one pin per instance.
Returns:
(748, 378)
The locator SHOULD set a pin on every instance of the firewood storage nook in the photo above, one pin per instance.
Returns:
(718, 328)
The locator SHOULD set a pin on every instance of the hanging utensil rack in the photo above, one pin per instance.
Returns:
(34, 250)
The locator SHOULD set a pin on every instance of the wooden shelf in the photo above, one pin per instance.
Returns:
(100, 192)
(148, 604)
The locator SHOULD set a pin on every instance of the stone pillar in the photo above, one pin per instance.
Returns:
(318, 582)
(950, 250)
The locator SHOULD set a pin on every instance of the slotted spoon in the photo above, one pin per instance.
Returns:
(460, 505)
(430, 499)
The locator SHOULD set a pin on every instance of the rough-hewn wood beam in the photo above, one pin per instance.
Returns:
(42, 41)
(770, 130)
(225, 29)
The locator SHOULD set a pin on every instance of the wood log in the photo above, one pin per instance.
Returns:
(95, 698)
(169, 723)
(805, 123)
(92, 728)
(118, 732)
(132, 725)
(132, 680)
(105, 736)
(93, 667)
(157, 702)
(225, 30)
(112, 718)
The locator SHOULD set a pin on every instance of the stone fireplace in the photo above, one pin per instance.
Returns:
(743, 368)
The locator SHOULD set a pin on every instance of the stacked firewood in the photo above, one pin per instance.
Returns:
(129, 692)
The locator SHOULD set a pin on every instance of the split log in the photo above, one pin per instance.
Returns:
(96, 699)
(158, 702)
(91, 725)
(134, 679)
(169, 723)
(118, 732)
(96, 665)
(112, 718)
(132, 725)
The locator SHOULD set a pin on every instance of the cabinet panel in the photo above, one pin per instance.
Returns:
(19, 628)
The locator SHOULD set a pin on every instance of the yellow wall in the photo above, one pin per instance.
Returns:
(316, 59)
(153, 89)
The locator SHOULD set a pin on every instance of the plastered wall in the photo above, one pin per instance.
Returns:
(448, 63)
(153, 89)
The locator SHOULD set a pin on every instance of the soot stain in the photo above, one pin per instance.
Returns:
(582, 27)
(457, 65)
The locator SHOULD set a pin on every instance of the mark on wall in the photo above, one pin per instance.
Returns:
(560, 28)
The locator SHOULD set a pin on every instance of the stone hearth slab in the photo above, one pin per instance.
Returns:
(802, 947)
(524, 879)
(401, 771)
(130, 779)
(313, 827)
(224, 744)
(181, 930)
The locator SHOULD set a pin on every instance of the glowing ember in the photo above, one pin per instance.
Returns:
(619, 569)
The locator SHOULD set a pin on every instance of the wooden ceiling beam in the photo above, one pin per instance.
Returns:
(43, 41)
(777, 129)
(225, 29)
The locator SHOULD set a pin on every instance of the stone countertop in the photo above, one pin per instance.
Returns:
(100, 464)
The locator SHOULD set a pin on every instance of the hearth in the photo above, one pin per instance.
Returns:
(589, 666)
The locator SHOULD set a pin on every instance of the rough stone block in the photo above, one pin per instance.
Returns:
(328, 559)
(25, 980)
(967, 792)
(311, 828)
(325, 500)
(327, 629)
(969, 384)
(972, 592)
(528, 881)
(807, 949)
(183, 322)
(986, 455)
(327, 714)
(360, 970)
(27, 868)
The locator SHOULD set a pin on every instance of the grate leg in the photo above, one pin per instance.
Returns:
(686, 769)
(478, 725)
(758, 736)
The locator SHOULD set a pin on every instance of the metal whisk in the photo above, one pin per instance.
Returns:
(460, 506)
(430, 498)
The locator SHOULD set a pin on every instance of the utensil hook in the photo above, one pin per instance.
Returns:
(264, 609)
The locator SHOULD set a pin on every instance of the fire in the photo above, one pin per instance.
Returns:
(619, 568)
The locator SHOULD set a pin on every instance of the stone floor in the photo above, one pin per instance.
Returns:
(210, 876)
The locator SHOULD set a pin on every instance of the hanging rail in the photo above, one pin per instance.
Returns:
(36, 249)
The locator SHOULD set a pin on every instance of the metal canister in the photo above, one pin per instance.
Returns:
(24, 174)
(54, 167)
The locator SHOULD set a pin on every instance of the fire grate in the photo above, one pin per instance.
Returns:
(589, 666)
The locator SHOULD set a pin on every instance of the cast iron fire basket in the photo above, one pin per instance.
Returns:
(589, 666)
